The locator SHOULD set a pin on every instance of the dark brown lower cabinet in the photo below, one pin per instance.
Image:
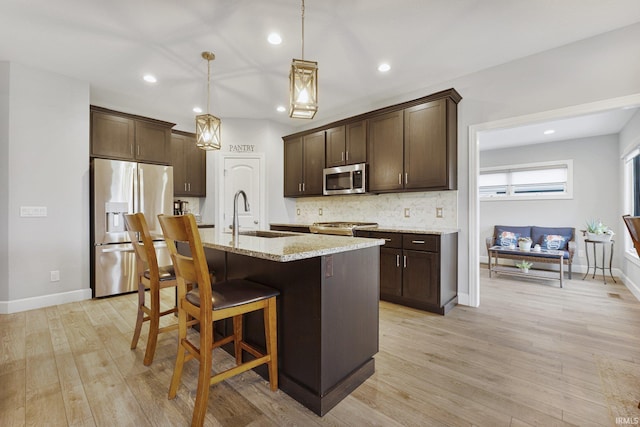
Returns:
(418, 270)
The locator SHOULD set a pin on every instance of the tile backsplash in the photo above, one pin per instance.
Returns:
(385, 209)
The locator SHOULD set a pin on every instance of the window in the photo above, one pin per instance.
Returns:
(548, 180)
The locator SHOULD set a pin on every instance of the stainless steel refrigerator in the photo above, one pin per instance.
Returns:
(117, 188)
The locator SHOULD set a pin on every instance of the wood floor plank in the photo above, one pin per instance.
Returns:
(532, 354)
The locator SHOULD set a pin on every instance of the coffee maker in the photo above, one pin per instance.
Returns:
(180, 207)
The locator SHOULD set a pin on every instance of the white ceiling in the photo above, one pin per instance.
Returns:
(112, 43)
(603, 123)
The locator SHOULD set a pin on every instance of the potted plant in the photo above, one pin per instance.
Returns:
(524, 266)
(597, 231)
(524, 243)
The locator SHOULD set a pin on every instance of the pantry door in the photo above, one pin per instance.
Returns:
(244, 173)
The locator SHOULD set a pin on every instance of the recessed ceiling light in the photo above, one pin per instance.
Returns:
(197, 110)
(549, 131)
(149, 78)
(384, 67)
(281, 109)
(274, 38)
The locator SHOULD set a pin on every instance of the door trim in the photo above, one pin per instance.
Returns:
(473, 298)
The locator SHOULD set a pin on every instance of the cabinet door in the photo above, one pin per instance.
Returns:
(385, 148)
(336, 143)
(313, 151)
(390, 271)
(196, 175)
(420, 276)
(425, 146)
(112, 136)
(292, 167)
(356, 143)
(152, 142)
(178, 161)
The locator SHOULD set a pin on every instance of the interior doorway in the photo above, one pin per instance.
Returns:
(244, 172)
(474, 167)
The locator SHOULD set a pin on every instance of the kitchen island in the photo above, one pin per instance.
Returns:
(327, 308)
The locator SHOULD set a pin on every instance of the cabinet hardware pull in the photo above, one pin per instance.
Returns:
(185, 186)
(400, 178)
(342, 156)
(299, 187)
(347, 156)
(397, 260)
(138, 150)
(387, 240)
(189, 186)
(405, 261)
(421, 242)
(303, 187)
(406, 177)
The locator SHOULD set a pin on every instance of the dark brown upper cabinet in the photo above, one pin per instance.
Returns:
(347, 144)
(429, 156)
(116, 135)
(408, 147)
(385, 148)
(189, 165)
(303, 165)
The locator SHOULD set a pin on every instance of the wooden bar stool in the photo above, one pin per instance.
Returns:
(208, 303)
(152, 277)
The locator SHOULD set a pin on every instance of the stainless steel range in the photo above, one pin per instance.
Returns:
(340, 228)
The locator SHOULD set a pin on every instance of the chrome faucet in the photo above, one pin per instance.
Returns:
(235, 226)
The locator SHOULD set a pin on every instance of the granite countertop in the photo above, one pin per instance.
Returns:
(414, 230)
(390, 228)
(289, 247)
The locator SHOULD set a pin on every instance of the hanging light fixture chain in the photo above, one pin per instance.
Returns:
(208, 83)
(302, 29)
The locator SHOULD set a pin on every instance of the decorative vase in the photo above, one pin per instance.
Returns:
(525, 270)
(595, 237)
(525, 245)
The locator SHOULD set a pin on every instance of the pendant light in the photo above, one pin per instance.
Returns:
(207, 125)
(303, 85)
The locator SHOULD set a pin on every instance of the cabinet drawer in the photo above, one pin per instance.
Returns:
(393, 240)
(421, 242)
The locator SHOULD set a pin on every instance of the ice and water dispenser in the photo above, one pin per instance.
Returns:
(115, 212)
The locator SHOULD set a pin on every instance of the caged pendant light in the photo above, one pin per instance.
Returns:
(303, 85)
(207, 125)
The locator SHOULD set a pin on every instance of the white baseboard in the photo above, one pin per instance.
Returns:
(463, 299)
(633, 287)
(15, 306)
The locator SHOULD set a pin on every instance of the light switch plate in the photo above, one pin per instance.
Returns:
(407, 212)
(438, 212)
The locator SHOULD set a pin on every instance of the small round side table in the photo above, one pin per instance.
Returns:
(597, 267)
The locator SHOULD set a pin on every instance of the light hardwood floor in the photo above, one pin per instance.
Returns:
(531, 354)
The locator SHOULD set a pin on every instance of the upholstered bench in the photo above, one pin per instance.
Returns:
(551, 238)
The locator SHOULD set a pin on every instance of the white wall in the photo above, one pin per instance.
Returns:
(266, 137)
(4, 181)
(48, 166)
(595, 175)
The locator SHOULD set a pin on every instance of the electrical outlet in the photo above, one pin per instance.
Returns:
(297, 211)
(55, 275)
(438, 212)
(320, 211)
(407, 212)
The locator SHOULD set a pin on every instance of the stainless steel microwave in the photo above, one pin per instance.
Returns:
(350, 179)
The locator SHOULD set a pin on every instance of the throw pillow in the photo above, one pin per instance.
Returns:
(507, 238)
(554, 242)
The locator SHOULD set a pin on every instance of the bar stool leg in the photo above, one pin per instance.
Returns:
(610, 261)
(586, 252)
